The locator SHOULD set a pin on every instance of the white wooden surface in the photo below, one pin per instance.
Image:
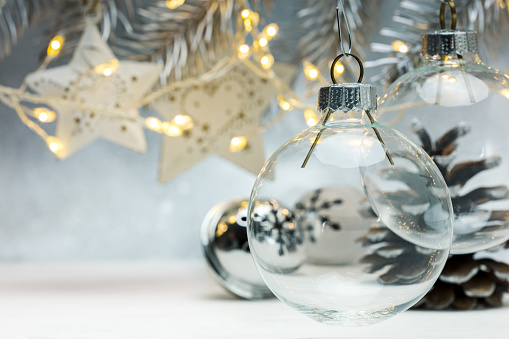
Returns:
(180, 300)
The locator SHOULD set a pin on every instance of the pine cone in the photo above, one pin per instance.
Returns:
(456, 176)
(465, 282)
(390, 249)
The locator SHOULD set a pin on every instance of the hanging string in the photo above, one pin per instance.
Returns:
(345, 53)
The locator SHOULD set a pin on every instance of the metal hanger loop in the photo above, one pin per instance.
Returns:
(361, 67)
(454, 15)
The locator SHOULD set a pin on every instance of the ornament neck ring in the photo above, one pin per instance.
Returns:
(333, 66)
(454, 15)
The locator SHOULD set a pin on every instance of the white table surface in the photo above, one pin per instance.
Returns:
(180, 300)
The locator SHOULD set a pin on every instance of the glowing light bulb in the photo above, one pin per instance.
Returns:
(263, 42)
(54, 144)
(107, 68)
(399, 46)
(44, 114)
(153, 123)
(271, 30)
(238, 144)
(339, 68)
(247, 25)
(245, 13)
(310, 71)
(311, 117)
(311, 122)
(184, 122)
(55, 46)
(243, 51)
(285, 105)
(172, 4)
(505, 92)
(267, 61)
(171, 129)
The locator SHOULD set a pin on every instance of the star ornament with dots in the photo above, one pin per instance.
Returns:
(96, 95)
(226, 113)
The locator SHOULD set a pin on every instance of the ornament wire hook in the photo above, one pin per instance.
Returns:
(454, 15)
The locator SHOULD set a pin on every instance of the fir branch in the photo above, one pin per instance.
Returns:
(15, 17)
(187, 40)
(320, 44)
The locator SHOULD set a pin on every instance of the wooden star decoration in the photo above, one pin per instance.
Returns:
(94, 77)
(223, 108)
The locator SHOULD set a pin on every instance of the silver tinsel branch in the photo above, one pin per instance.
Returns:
(15, 17)
(412, 18)
(320, 42)
(188, 40)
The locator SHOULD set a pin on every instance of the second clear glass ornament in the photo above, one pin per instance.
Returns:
(456, 108)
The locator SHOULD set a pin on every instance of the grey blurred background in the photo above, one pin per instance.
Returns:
(104, 202)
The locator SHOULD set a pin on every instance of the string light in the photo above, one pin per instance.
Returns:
(271, 30)
(245, 14)
(171, 129)
(310, 71)
(180, 123)
(54, 144)
(172, 4)
(251, 19)
(107, 68)
(267, 61)
(55, 46)
(339, 68)
(184, 122)
(311, 117)
(505, 92)
(247, 25)
(399, 46)
(153, 123)
(44, 114)
(285, 105)
(238, 144)
(243, 51)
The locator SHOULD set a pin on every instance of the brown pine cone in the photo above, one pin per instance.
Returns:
(467, 283)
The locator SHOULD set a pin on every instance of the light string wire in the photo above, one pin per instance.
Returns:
(14, 97)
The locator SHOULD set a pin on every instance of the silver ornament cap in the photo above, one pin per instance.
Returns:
(448, 43)
(347, 97)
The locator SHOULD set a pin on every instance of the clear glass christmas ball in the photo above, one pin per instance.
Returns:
(456, 108)
(362, 240)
